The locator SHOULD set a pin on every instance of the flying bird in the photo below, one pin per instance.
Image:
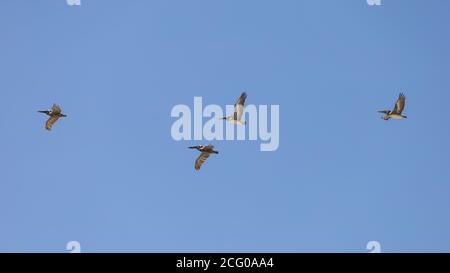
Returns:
(238, 111)
(398, 109)
(205, 152)
(54, 114)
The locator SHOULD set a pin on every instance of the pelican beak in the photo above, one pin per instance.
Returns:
(193, 147)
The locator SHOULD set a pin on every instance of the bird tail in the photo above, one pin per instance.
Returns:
(215, 152)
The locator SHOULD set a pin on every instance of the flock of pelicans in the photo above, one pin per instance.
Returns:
(205, 151)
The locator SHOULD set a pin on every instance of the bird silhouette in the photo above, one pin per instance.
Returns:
(239, 107)
(54, 114)
(206, 151)
(398, 109)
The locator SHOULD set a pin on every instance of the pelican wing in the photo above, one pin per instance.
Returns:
(56, 109)
(400, 105)
(200, 160)
(208, 148)
(239, 106)
(241, 100)
(52, 120)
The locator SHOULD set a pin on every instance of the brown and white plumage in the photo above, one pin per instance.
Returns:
(239, 107)
(398, 109)
(400, 104)
(206, 151)
(200, 160)
(50, 122)
(54, 114)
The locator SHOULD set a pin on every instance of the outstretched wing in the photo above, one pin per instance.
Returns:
(56, 109)
(400, 105)
(52, 120)
(200, 160)
(239, 106)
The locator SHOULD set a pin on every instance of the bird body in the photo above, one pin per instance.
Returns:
(239, 107)
(55, 113)
(236, 122)
(394, 116)
(398, 109)
(206, 151)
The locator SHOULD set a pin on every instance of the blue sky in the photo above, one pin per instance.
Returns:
(111, 177)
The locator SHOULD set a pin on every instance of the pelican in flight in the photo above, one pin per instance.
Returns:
(238, 111)
(54, 115)
(398, 109)
(205, 152)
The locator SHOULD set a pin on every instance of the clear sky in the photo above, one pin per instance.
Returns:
(111, 177)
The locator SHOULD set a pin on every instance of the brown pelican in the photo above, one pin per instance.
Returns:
(238, 111)
(205, 152)
(398, 109)
(54, 115)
